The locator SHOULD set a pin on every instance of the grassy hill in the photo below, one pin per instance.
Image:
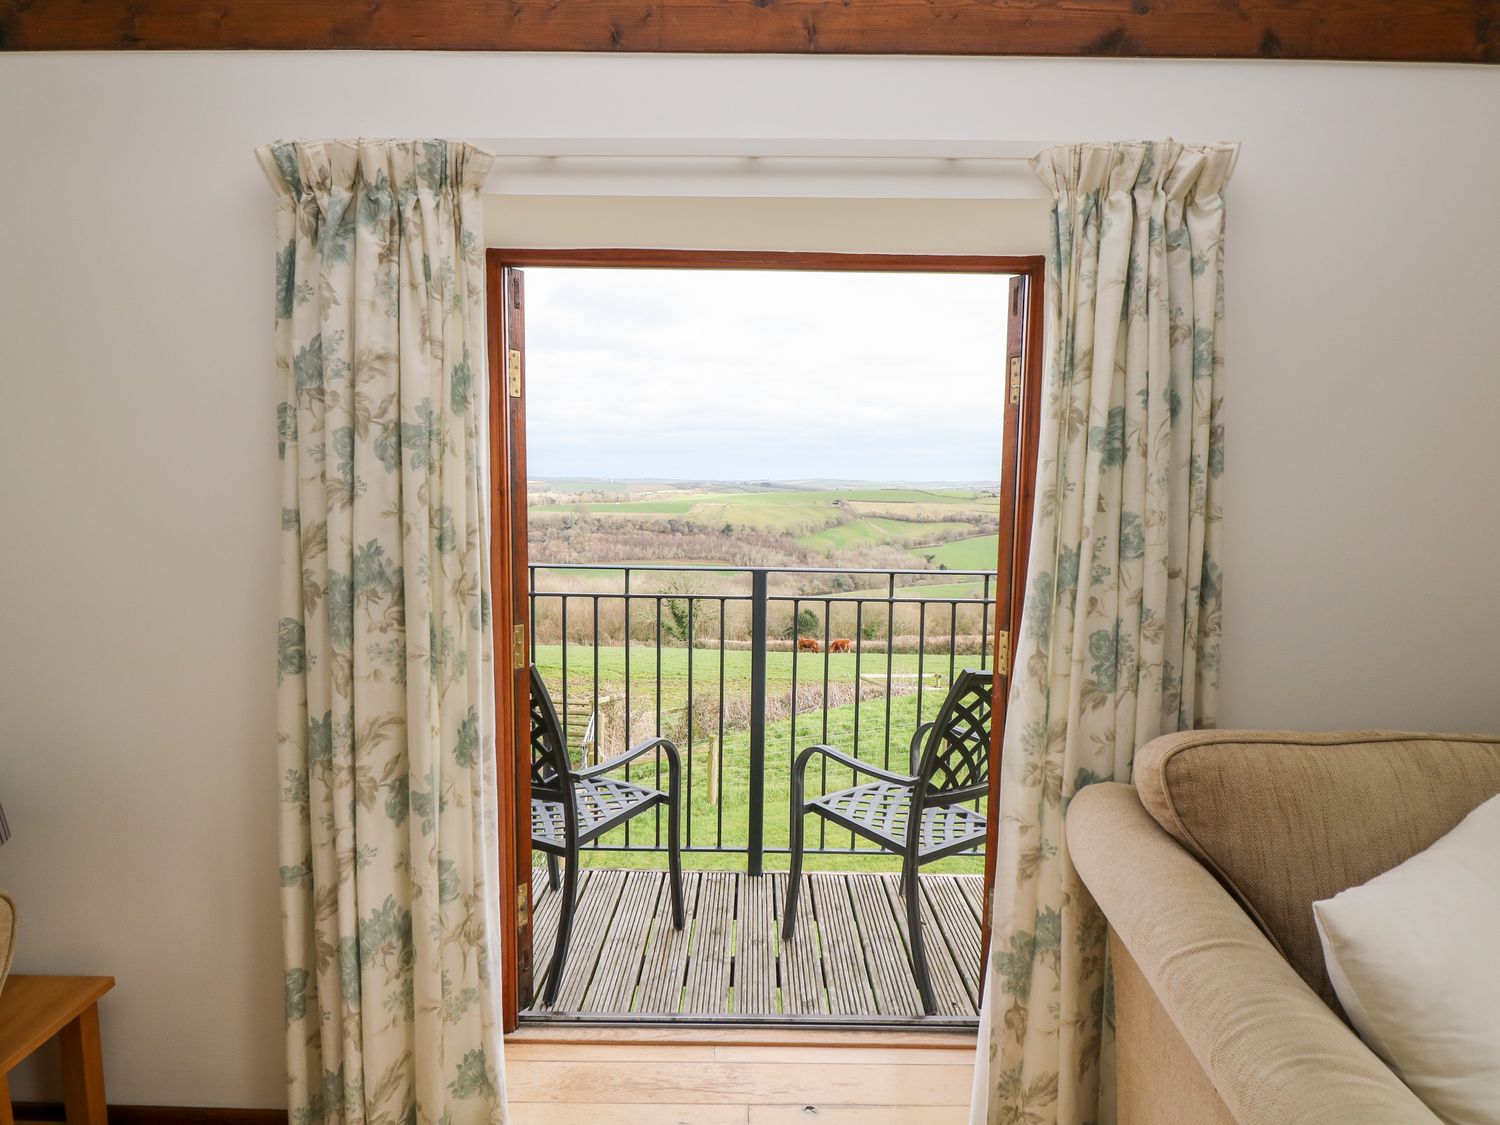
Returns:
(796, 524)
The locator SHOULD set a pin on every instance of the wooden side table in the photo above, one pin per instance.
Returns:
(32, 1011)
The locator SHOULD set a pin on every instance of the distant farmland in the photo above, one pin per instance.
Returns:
(768, 524)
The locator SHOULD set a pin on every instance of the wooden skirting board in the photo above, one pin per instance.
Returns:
(158, 1114)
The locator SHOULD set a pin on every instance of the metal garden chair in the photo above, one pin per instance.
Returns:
(919, 816)
(570, 807)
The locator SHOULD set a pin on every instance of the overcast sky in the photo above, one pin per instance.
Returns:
(752, 375)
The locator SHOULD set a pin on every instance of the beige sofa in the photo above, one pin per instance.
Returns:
(1207, 868)
(7, 938)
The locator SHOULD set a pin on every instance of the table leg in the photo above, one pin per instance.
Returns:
(7, 1115)
(83, 1070)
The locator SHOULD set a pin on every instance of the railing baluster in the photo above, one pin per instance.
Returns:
(890, 660)
(629, 734)
(657, 816)
(687, 797)
(823, 761)
(921, 654)
(796, 653)
(952, 640)
(758, 623)
(598, 719)
(859, 652)
(984, 627)
(719, 781)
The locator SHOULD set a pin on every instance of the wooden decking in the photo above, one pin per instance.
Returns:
(848, 958)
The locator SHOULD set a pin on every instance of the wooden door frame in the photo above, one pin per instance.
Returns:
(508, 534)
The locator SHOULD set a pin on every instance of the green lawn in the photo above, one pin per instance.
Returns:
(727, 819)
(705, 662)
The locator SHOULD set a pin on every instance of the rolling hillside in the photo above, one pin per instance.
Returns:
(770, 523)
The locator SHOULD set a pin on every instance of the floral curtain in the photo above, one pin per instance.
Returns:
(1119, 637)
(386, 708)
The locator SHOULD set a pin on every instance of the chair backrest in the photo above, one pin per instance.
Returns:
(956, 755)
(549, 753)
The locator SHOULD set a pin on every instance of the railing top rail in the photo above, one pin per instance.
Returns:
(713, 569)
(865, 599)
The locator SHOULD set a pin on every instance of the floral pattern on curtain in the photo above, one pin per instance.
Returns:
(386, 702)
(1119, 637)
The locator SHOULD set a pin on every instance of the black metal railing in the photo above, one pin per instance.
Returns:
(689, 652)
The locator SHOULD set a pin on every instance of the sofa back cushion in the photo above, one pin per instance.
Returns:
(1283, 819)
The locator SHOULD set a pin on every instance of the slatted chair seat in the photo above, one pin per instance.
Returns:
(878, 811)
(603, 803)
(921, 817)
(570, 807)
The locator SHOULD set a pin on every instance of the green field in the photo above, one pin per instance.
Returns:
(877, 530)
(705, 665)
(927, 514)
(781, 526)
(726, 819)
(977, 552)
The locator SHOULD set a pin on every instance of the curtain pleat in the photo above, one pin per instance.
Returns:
(1119, 636)
(385, 689)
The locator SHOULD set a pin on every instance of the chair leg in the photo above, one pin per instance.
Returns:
(564, 930)
(794, 877)
(554, 877)
(674, 859)
(913, 895)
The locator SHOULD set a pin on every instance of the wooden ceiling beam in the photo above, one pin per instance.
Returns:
(1462, 31)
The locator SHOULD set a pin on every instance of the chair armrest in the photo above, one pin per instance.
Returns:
(674, 759)
(915, 752)
(1274, 1052)
(853, 763)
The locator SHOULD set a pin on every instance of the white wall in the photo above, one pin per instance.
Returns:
(138, 483)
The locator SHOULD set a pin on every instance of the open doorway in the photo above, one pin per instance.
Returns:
(748, 504)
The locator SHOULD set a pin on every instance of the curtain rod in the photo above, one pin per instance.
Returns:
(751, 148)
(764, 167)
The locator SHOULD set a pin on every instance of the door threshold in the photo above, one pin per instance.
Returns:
(603, 1029)
(965, 1026)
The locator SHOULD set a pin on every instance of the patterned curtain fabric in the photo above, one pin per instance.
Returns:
(1119, 638)
(386, 702)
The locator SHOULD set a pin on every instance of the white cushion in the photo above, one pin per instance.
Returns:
(1414, 955)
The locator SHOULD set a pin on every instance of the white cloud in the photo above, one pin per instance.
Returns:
(748, 375)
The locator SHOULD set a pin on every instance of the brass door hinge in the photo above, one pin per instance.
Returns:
(513, 367)
(1002, 653)
(1015, 379)
(518, 647)
(523, 907)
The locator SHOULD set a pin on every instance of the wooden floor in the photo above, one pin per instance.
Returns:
(848, 959)
(713, 1076)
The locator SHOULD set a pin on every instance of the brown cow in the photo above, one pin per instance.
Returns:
(808, 644)
(841, 644)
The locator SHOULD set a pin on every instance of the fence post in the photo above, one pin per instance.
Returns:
(758, 628)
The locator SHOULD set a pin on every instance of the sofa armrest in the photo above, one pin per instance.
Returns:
(1274, 1052)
